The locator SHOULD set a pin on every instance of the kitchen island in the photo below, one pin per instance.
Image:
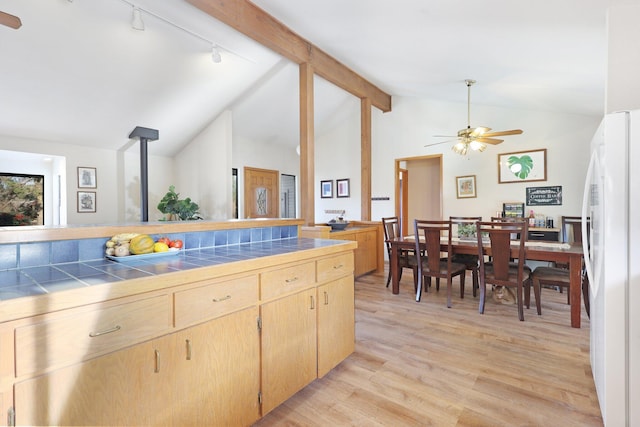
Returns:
(218, 334)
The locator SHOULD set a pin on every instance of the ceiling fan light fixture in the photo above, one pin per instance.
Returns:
(477, 146)
(460, 147)
(136, 19)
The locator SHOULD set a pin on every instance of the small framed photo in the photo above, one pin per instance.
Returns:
(466, 186)
(87, 177)
(86, 201)
(343, 187)
(522, 166)
(326, 189)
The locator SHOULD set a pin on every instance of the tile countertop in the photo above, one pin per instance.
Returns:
(32, 281)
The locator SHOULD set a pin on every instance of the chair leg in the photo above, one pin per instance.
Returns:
(389, 277)
(474, 276)
(449, 286)
(520, 304)
(483, 291)
(537, 291)
(585, 295)
(527, 292)
(419, 288)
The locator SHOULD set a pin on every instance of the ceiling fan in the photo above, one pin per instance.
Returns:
(10, 20)
(474, 138)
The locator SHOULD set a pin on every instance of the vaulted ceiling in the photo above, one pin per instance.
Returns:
(76, 72)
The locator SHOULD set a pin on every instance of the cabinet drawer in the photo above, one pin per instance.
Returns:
(214, 300)
(551, 236)
(74, 337)
(285, 280)
(335, 267)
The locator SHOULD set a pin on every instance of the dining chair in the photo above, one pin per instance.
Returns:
(496, 237)
(406, 258)
(431, 263)
(558, 275)
(470, 261)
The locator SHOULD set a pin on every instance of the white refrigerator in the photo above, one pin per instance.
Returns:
(612, 254)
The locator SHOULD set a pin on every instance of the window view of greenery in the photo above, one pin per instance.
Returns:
(21, 199)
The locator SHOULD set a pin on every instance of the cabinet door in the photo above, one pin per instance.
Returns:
(126, 387)
(218, 372)
(289, 350)
(336, 323)
(366, 255)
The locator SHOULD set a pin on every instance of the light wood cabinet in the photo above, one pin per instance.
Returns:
(216, 368)
(336, 323)
(289, 352)
(222, 351)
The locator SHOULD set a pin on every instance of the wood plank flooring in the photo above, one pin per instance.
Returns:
(421, 364)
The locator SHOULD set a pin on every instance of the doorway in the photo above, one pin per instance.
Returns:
(418, 190)
(261, 193)
(288, 196)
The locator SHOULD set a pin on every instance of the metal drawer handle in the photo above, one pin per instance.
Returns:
(188, 349)
(156, 369)
(326, 298)
(536, 234)
(108, 331)
(335, 267)
(222, 299)
(293, 279)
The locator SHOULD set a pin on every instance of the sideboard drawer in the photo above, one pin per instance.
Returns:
(214, 300)
(335, 267)
(79, 336)
(542, 234)
(288, 279)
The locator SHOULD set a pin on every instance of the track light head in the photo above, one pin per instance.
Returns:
(136, 19)
(215, 54)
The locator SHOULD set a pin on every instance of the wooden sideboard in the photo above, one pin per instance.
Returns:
(369, 255)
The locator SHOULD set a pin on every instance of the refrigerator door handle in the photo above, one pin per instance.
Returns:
(594, 170)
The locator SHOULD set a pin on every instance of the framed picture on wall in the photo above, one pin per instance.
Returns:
(343, 187)
(466, 186)
(522, 166)
(86, 201)
(326, 189)
(87, 177)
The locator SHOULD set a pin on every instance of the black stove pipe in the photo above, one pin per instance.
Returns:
(145, 135)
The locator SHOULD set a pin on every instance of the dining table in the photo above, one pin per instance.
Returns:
(570, 254)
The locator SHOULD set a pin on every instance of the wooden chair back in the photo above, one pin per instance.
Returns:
(498, 236)
(572, 229)
(429, 233)
(391, 226)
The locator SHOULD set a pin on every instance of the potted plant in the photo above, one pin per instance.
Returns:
(176, 208)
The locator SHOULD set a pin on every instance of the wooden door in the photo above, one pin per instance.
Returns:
(336, 331)
(404, 201)
(261, 193)
(217, 368)
(289, 348)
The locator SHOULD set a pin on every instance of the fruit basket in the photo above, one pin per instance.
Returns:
(338, 225)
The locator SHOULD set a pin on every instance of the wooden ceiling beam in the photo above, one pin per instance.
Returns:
(254, 22)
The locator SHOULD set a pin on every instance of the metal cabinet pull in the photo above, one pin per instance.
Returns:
(335, 267)
(313, 303)
(222, 299)
(326, 298)
(293, 279)
(107, 331)
(188, 349)
(157, 368)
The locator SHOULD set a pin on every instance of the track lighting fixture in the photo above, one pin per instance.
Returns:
(215, 54)
(136, 19)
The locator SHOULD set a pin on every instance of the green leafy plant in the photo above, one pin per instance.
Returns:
(467, 230)
(176, 208)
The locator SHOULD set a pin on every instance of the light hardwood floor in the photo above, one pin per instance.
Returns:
(421, 364)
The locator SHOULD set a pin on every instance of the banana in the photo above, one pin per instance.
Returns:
(123, 237)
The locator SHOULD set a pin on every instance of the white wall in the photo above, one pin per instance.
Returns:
(623, 62)
(405, 130)
(203, 170)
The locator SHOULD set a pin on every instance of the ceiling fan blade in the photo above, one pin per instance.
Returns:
(10, 20)
(441, 142)
(445, 136)
(503, 133)
(491, 141)
(479, 131)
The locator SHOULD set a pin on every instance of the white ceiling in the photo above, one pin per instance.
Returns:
(76, 72)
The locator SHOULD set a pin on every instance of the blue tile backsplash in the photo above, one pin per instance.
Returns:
(24, 255)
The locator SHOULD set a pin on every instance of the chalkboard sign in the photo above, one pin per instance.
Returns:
(544, 196)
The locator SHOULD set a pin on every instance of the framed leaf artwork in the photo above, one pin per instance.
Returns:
(522, 166)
